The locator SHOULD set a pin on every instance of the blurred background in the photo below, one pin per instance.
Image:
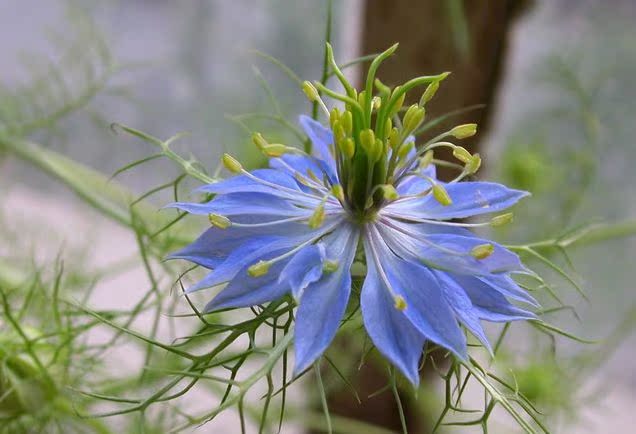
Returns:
(550, 83)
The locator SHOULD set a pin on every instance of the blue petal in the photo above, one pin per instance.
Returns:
(321, 139)
(304, 165)
(323, 303)
(215, 244)
(244, 204)
(490, 304)
(390, 330)
(507, 287)
(450, 252)
(304, 268)
(469, 199)
(463, 308)
(252, 251)
(427, 307)
(246, 184)
(244, 290)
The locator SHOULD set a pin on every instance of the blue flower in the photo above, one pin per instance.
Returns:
(363, 195)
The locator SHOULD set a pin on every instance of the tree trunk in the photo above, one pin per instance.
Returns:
(468, 39)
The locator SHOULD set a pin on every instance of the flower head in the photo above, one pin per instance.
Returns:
(365, 193)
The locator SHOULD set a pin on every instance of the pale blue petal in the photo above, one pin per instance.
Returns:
(427, 307)
(390, 330)
(506, 286)
(321, 139)
(323, 303)
(468, 199)
(304, 268)
(463, 308)
(304, 165)
(490, 304)
(246, 184)
(450, 252)
(245, 290)
(241, 204)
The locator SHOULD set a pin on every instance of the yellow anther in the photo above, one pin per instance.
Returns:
(347, 122)
(413, 118)
(259, 269)
(464, 131)
(482, 251)
(347, 147)
(259, 141)
(219, 221)
(330, 266)
(474, 164)
(462, 154)
(394, 138)
(429, 93)
(338, 192)
(232, 164)
(361, 97)
(501, 220)
(405, 149)
(318, 217)
(311, 91)
(367, 140)
(426, 159)
(388, 127)
(388, 191)
(376, 102)
(399, 103)
(441, 195)
(400, 303)
(334, 116)
(313, 176)
(274, 150)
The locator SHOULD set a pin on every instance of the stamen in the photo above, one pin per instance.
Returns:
(318, 217)
(313, 95)
(482, 251)
(330, 266)
(502, 219)
(441, 195)
(462, 154)
(429, 93)
(463, 131)
(400, 303)
(219, 221)
(232, 164)
(259, 269)
(337, 191)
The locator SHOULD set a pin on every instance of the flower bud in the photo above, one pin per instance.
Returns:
(441, 195)
(310, 90)
(376, 103)
(259, 269)
(219, 221)
(502, 219)
(232, 164)
(482, 251)
(464, 131)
